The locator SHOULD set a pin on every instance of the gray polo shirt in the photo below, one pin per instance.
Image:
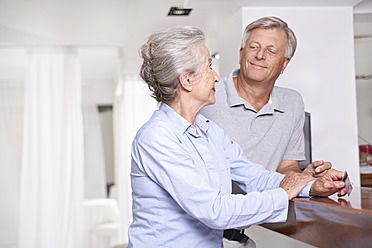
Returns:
(273, 134)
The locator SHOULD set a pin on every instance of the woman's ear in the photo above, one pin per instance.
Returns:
(185, 82)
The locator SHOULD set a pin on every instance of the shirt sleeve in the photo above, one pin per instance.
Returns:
(244, 172)
(296, 145)
(305, 192)
(160, 154)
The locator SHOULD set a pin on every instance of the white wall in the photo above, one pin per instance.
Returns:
(322, 70)
(11, 133)
(230, 26)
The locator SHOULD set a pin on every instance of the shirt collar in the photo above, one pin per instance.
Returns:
(276, 101)
(181, 124)
(233, 98)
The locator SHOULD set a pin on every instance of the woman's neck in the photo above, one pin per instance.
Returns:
(185, 109)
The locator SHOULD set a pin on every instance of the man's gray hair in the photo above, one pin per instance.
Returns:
(168, 54)
(272, 22)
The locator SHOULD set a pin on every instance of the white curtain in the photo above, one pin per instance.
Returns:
(11, 124)
(52, 171)
(133, 106)
(95, 172)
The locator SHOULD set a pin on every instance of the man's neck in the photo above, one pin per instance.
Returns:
(256, 94)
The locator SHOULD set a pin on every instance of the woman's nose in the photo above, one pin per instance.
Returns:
(216, 77)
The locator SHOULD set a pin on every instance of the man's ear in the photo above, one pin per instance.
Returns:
(185, 82)
(285, 65)
(240, 55)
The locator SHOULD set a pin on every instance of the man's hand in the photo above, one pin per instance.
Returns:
(294, 182)
(317, 168)
(329, 184)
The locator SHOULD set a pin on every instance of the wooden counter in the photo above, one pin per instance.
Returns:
(330, 222)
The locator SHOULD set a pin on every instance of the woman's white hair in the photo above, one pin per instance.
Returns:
(168, 54)
(272, 22)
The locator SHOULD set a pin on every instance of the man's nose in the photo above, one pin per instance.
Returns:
(261, 53)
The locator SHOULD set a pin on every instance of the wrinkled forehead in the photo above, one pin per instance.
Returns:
(204, 51)
(269, 36)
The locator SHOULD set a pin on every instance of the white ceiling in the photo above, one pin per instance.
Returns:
(100, 27)
(273, 3)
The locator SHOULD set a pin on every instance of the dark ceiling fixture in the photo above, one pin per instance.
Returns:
(177, 11)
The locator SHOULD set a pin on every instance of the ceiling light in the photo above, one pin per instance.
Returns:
(176, 11)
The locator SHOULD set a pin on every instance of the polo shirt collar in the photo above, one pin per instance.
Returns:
(276, 101)
(233, 98)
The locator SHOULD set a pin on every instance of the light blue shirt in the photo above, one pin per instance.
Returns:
(181, 184)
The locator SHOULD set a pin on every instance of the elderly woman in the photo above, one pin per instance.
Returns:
(182, 163)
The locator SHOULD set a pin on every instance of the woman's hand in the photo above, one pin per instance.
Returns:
(294, 182)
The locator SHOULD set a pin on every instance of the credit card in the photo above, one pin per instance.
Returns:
(348, 184)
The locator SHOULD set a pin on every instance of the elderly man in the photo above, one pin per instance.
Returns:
(265, 120)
